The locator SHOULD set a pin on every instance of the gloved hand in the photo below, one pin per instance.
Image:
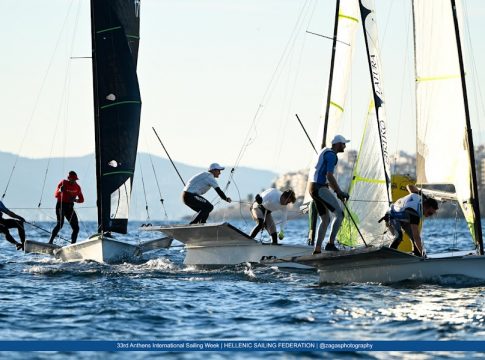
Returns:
(342, 195)
(281, 235)
(21, 219)
(61, 189)
(228, 199)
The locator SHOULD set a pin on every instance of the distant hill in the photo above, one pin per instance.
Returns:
(30, 184)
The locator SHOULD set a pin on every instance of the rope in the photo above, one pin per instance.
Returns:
(268, 91)
(158, 187)
(144, 192)
(44, 81)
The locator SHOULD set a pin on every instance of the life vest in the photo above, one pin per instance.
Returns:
(411, 201)
(70, 192)
(317, 173)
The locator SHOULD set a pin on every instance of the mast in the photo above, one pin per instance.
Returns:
(330, 79)
(471, 149)
(96, 118)
(377, 88)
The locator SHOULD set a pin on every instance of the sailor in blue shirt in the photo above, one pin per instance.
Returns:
(321, 180)
(16, 222)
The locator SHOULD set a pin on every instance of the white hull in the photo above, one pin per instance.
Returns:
(224, 244)
(386, 265)
(390, 271)
(237, 254)
(99, 249)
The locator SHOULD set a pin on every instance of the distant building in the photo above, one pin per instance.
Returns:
(480, 164)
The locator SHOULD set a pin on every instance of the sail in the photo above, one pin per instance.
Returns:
(368, 191)
(117, 106)
(443, 147)
(370, 186)
(346, 24)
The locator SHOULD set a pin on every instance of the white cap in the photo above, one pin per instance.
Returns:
(215, 166)
(339, 139)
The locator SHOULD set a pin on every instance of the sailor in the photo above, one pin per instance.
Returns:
(271, 200)
(321, 180)
(198, 185)
(67, 193)
(16, 221)
(406, 213)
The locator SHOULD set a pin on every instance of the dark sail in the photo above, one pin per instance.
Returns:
(117, 106)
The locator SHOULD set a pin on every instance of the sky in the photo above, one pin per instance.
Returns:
(221, 81)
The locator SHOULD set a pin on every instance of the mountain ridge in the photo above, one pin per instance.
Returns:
(28, 182)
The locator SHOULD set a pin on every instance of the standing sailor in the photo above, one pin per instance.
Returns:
(198, 185)
(6, 224)
(67, 193)
(321, 178)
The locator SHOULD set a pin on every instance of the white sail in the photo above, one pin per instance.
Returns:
(333, 108)
(348, 20)
(370, 186)
(442, 146)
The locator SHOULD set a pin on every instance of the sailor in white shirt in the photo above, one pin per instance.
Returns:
(198, 185)
(271, 200)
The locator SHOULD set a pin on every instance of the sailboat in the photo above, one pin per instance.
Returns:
(445, 155)
(223, 243)
(117, 106)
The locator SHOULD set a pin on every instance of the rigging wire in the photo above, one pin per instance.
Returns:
(144, 192)
(286, 113)
(158, 187)
(268, 92)
(166, 152)
(145, 137)
(36, 103)
(63, 105)
(477, 90)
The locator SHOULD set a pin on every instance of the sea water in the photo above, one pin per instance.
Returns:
(159, 298)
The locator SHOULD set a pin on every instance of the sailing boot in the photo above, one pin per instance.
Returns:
(274, 238)
(330, 247)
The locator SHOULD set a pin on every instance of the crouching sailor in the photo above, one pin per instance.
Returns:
(271, 200)
(16, 222)
(406, 213)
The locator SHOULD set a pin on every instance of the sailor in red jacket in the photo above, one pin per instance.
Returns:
(67, 193)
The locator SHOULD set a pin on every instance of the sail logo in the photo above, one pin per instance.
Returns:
(384, 141)
(374, 63)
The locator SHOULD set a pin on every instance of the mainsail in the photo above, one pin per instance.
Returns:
(117, 107)
(370, 186)
(444, 141)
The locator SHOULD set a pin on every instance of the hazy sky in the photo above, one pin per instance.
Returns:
(204, 69)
